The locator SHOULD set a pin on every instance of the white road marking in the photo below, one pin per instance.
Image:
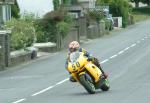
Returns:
(104, 61)
(138, 41)
(126, 48)
(113, 56)
(50, 87)
(133, 45)
(121, 52)
(62, 81)
(20, 100)
(143, 39)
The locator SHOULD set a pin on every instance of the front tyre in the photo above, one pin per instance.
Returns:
(87, 84)
(105, 86)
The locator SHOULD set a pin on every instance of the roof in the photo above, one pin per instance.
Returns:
(38, 7)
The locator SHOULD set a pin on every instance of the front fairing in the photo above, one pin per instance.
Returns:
(77, 63)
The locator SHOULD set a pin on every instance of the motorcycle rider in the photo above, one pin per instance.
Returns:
(75, 46)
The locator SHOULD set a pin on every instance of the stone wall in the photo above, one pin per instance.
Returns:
(71, 36)
(4, 49)
(19, 56)
(82, 26)
(96, 30)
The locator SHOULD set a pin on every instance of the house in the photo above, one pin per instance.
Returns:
(37, 7)
(5, 10)
(79, 8)
(87, 3)
(84, 3)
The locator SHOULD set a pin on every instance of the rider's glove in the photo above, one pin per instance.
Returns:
(90, 59)
(105, 75)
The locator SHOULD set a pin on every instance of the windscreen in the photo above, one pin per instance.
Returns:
(74, 56)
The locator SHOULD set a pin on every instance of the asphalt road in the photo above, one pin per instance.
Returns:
(124, 55)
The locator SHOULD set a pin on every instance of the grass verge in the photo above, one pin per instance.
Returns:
(141, 14)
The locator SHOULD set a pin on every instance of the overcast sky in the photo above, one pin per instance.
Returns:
(39, 7)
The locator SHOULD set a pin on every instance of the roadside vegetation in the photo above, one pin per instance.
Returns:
(117, 8)
(29, 29)
(23, 32)
(141, 13)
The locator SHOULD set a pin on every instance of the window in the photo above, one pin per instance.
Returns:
(1, 15)
(8, 12)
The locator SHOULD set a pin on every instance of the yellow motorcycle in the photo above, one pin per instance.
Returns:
(86, 73)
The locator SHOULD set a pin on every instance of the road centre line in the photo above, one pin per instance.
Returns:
(20, 100)
(104, 61)
(62, 81)
(133, 45)
(50, 87)
(42, 91)
(113, 56)
(121, 52)
(138, 41)
(126, 48)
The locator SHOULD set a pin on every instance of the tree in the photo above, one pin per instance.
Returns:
(56, 4)
(15, 10)
(101, 2)
(136, 2)
(146, 2)
(117, 8)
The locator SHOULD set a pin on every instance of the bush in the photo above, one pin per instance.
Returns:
(95, 15)
(118, 8)
(143, 10)
(108, 24)
(22, 33)
(54, 22)
(63, 28)
(15, 11)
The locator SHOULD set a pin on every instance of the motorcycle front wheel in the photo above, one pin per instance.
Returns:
(87, 84)
(105, 86)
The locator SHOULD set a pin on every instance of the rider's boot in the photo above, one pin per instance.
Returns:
(72, 79)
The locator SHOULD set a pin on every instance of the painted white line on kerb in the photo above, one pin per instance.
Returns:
(121, 52)
(113, 56)
(126, 48)
(104, 61)
(20, 100)
(50, 87)
(133, 45)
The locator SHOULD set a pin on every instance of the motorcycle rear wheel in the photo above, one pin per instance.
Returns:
(87, 84)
